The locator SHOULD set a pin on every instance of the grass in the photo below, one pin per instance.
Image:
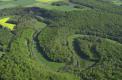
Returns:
(49, 1)
(117, 2)
(35, 3)
(84, 62)
(27, 45)
(50, 65)
(50, 7)
(20, 46)
(12, 3)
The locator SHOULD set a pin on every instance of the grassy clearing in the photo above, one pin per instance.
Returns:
(50, 7)
(5, 0)
(27, 45)
(50, 65)
(84, 62)
(19, 46)
(12, 3)
(49, 1)
(117, 2)
(35, 3)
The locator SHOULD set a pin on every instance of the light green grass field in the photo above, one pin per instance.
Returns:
(49, 1)
(35, 3)
(117, 2)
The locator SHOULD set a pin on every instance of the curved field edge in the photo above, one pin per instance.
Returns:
(72, 38)
(23, 52)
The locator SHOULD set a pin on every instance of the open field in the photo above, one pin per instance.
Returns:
(117, 2)
(35, 3)
(49, 1)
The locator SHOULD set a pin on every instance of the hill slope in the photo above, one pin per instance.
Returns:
(81, 43)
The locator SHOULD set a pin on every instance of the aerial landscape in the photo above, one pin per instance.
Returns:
(60, 39)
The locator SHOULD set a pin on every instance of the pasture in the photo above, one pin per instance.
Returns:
(46, 4)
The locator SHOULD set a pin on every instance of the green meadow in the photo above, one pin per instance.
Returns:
(117, 2)
(35, 3)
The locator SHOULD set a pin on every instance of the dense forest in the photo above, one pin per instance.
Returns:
(80, 44)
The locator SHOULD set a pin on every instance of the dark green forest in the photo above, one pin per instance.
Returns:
(83, 44)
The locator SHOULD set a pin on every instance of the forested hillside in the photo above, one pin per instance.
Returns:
(83, 43)
(102, 5)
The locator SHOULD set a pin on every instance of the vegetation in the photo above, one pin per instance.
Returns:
(84, 43)
(47, 4)
(100, 5)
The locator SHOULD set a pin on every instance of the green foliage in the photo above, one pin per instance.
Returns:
(62, 45)
(60, 3)
(60, 42)
(102, 5)
(21, 60)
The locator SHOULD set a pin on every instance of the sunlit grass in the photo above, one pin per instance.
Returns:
(117, 2)
(48, 1)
